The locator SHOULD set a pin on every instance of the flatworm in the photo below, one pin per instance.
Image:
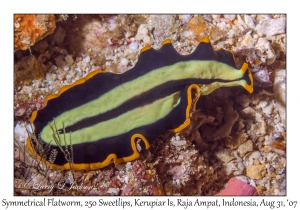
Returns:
(108, 113)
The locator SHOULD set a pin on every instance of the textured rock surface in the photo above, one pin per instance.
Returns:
(29, 29)
(256, 171)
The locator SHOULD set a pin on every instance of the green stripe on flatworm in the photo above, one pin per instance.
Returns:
(135, 118)
(126, 91)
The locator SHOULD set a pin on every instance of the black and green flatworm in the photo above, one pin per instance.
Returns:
(107, 113)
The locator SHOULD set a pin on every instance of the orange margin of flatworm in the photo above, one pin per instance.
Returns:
(94, 166)
(244, 68)
(189, 106)
(107, 161)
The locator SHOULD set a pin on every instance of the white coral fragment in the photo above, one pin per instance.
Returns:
(279, 89)
(244, 148)
(230, 17)
(178, 143)
(249, 21)
(143, 35)
(113, 191)
(241, 22)
(271, 27)
(216, 18)
(60, 62)
(265, 47)
(21, 132)
(254, 155)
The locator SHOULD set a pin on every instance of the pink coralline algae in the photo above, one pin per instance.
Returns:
(261, 75)
(238, 187)
(252, 55)
(36, 102)
(260, 72)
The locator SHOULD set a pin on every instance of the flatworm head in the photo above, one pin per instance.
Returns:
(100, 118)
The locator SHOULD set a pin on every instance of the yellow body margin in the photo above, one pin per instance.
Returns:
(249, 88)
(189, 107)
(94, 166)
(167, 41)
